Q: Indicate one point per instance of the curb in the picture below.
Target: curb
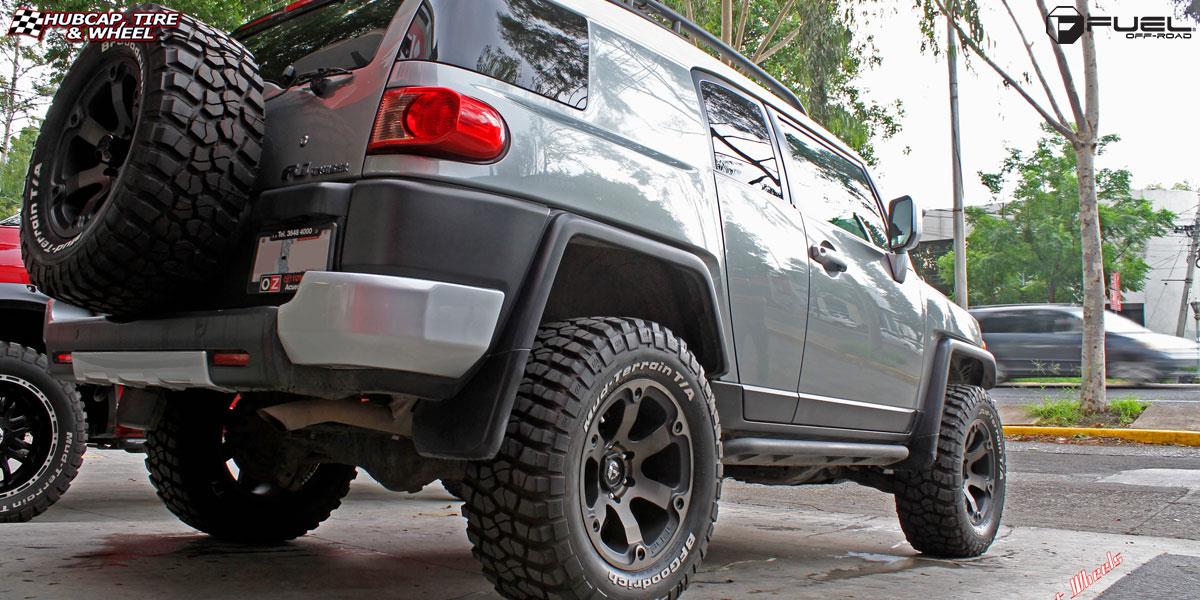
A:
(1145, 436)
(1112, 386)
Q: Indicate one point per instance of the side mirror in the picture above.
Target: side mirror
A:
(904, 225)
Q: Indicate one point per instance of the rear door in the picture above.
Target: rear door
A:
(1047, 342)
(764, 252)
(313, 137)
(864, 346)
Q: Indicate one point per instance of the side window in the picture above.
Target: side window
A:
(741, 143)
(1065, 322)
(533, 44)
(992, 323)
(828, 186)
(1037, 321)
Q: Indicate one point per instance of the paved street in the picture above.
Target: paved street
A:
(1067, 507)
(1153, 393)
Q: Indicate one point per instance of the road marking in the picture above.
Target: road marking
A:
(1168, 478)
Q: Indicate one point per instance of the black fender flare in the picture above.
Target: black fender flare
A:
(471, 425)
(22, 296)
(927, 428)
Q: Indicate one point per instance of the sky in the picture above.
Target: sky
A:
(1149, 93)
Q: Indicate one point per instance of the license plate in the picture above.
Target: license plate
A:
(283, 256)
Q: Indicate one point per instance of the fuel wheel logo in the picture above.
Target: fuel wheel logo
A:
(1064, 24)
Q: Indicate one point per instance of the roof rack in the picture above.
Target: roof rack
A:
(662, 15)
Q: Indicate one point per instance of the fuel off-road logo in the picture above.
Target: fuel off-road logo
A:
(92, 26)
(1066, 25)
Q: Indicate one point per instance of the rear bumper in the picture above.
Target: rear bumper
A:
(341, 331)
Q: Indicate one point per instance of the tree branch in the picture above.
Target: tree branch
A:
(1065, 69)
(779, 18)
(741, 25)
(1037, 68)
(727, 21)
(970, 42)
(787, 39)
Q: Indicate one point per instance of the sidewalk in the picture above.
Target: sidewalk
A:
(1160, 423)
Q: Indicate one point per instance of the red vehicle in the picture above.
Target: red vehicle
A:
(11, 269)
(44, 423)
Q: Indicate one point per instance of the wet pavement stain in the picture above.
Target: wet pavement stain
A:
(868, 564)
(120, 550)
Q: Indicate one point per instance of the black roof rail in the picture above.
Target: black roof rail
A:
(657, 12)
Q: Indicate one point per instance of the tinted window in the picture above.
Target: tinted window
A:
(342, 35)
(12, 221)
(828, 186)
(533, 44)
(994, 322)
(740, 140)
(1062, 322)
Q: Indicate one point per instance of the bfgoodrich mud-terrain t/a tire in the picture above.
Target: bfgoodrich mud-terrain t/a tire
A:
(218, 474)
(953, 508)
(607, 482)
(42, 434)
(141, 175)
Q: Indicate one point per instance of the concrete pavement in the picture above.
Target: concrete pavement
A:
(1068, 506)
(1189, 393)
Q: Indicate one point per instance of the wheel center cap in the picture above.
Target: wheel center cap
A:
(614, 472)
(105, 147)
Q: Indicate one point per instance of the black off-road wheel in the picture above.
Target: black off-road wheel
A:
(219, 468)
(141, 175)
(607, 482)
(953, 508)
(42, 434)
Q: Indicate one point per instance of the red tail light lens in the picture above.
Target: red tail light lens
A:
(230, 359)
(438, 122)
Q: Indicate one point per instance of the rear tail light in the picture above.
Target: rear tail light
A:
(64, 358)
(438, 122)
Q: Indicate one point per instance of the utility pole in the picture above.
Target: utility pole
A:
(1193, 232)
(960, 221)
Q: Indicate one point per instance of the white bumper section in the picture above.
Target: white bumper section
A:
(336, 320)
(376, 321)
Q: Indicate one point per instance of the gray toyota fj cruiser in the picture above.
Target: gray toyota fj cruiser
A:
(558, 250)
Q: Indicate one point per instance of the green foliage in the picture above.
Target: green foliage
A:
(12, 172)
(931, 17)
(820, 61)
(1029, 251)
(1057, 413)
(1070, 413)
(1127, 409)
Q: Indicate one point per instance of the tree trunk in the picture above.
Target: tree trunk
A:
(10, 107)
(727, 21)
(1092, 366)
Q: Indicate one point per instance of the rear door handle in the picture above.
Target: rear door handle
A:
(828, 257)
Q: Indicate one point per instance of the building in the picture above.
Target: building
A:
(1156, 306)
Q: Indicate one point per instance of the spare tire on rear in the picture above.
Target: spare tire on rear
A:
(142, 174)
